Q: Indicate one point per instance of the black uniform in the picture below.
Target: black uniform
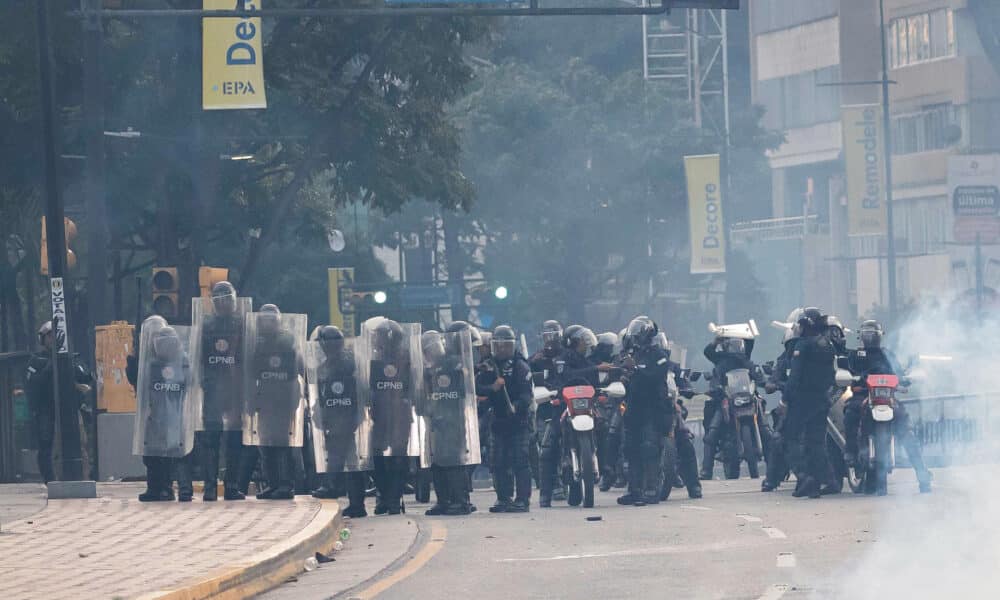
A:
(723, 362)
(222, 394)
(276, 401)
(338, 397)
(42, 405)
(681, 438)
(878, 361)
(809, 383)
(647, 422)
(570, 366)
(777, 459)
(511, 433)
(543, 366)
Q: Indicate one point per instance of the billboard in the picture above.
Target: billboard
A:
(707, 228)
(864, 153)
(232, 59)
(974, 192)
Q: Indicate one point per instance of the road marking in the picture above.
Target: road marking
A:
(750, 518)
(774, 533)
(774, 592)
(786, 560)
(713, 547)
(692, 507)
(438, 536)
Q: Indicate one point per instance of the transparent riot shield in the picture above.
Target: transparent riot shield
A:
(274, 411)
(341, 423)
(449, 414)
(165, 400)
(219, 376)
(391, 382)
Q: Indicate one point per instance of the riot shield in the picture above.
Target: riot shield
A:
(219, 376)
(274, 410)
(165, 402)
(341, 423)
(449, 413)
(391, 382)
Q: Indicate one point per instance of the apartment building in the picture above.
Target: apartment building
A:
(810, 58)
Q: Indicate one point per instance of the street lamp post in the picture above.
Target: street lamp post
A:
(887, 126)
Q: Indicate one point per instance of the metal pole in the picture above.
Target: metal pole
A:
(68, 410)
(887, 135)
(979, 278)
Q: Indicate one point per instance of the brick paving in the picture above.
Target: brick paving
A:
(116, 547)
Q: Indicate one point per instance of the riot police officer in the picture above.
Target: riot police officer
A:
(341, 423)
(221, 380)
(679, 457)
(275, 408)
(646, 419)
(873, 359)
(777, 460)
(725, 354)
(508, 387)
(543, 368)
(608, 446)
(809, 382)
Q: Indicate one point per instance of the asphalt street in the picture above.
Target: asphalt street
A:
(736, 542)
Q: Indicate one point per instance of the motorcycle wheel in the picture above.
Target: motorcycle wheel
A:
(668, 463)
(588, 474)
(749, 450)
(883, 457)
(731, 457)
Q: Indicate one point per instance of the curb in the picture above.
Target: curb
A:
(268, 569)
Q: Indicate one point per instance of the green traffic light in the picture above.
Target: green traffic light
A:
(380, 297)
(501, 293)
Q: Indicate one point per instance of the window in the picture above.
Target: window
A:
(921, 37)
(933, 128)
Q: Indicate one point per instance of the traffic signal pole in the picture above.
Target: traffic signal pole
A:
(66, 408)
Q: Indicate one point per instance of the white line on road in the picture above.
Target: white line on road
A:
(786, 560)
(692, 507)
(774, 533)
(713, 547)
(774, 592)
(750, 518)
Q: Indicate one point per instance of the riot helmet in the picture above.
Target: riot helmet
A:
(433, 346)
(331, 340)
(811, 322)
(607, 345)
(552, 333)
(870, 334)
(660, 341)
(387, 339)
(269, 319)
(504, 343)
(459, 326)
(151, 323)
(835, 331)
(166, 344)
(224, 298)
(735, 346)
(795, 331)
(641, 332)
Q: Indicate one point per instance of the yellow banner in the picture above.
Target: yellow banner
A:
(232, 59)
(864, 151)
(340, 282)
(708, 238)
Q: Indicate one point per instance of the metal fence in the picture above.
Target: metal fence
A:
(957, 428)
(16, 442)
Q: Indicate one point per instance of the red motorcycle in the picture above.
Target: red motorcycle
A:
(876, 442)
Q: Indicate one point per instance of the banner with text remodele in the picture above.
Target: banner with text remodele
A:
(232, 59)
(708, 239)
(864, 163)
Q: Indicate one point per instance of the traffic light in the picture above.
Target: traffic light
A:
(165, 291)
(501, 292)
(70, 228)
(208, 277)
(367, 298)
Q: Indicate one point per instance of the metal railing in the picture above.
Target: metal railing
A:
(956, 428)
(784, 228)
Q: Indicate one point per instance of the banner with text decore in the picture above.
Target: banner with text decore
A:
(708, 239)
(232, 59)
(864, 163)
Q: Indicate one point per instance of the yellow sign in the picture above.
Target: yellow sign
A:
(232, 59)
(340, 282)
(864, 149)
(708, 238)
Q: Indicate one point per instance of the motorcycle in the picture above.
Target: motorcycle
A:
(579, 412)
(741, 407)
(876, 441)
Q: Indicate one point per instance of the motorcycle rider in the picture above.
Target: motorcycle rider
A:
(726, 354)
(777, 460)
(509, 391)
(809, 383)
(873, 359)
(543, 367)
(678, 433)
(647, 421)
(571, 365)
(604, 352)
(836, 468)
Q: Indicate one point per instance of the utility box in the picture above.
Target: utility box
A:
(113, 346)
(114, 447)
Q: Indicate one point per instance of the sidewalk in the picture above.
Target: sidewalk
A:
(116, 547)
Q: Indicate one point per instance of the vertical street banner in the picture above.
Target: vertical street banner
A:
(708, 239)
(232, 59)
(341, 282)
(864, 163)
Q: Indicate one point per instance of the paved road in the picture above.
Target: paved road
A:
(734, 543)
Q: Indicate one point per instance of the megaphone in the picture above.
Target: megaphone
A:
(743, 331)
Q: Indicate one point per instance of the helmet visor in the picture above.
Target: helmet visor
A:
(503, 349)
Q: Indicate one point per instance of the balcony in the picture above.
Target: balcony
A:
(767, 230)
